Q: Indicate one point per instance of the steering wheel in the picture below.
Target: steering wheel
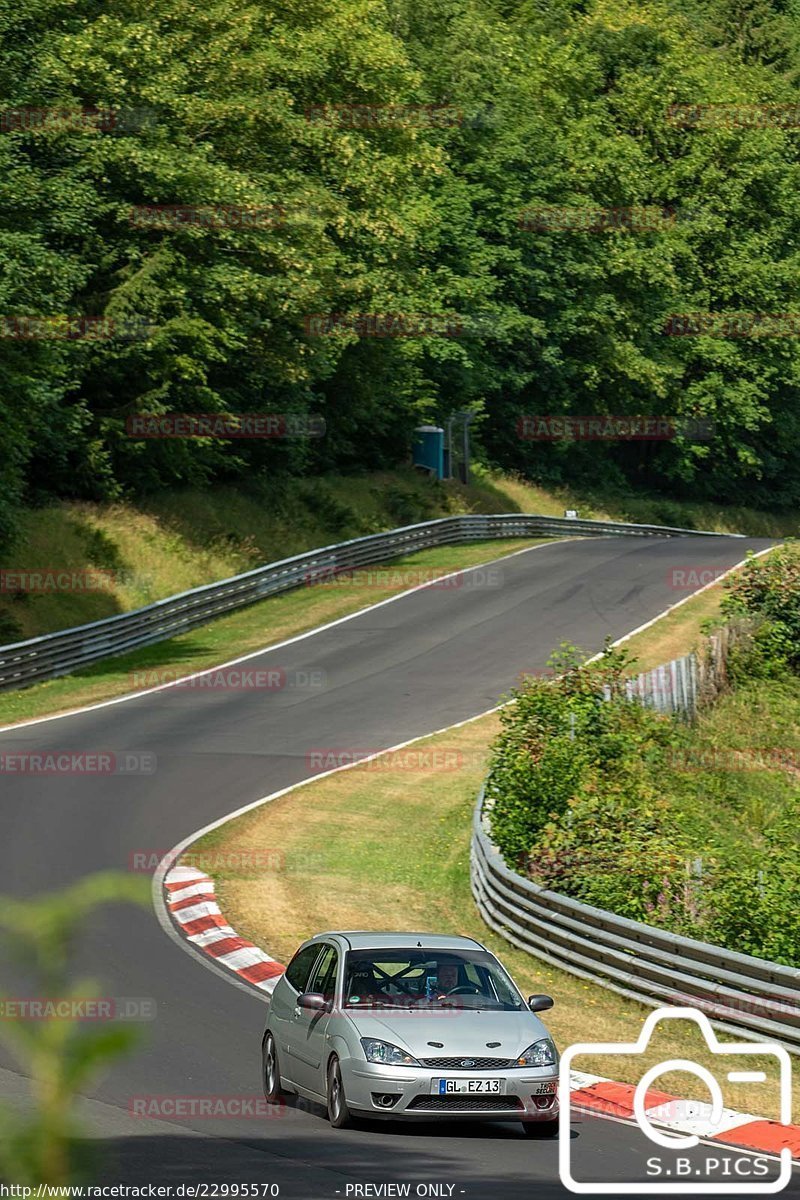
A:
(465, 989)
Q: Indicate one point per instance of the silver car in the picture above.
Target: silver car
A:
(410, 1026)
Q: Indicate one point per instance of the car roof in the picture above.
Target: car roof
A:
(363, 939)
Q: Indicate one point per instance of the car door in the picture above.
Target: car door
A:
(309, 1027)
(284, 1003)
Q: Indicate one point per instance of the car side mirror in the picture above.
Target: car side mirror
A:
(540, 1003)
(313, 1000)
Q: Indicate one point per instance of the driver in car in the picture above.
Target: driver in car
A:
(446, 980)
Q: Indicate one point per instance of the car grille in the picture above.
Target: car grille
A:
(467, 1103)
(478, 1064)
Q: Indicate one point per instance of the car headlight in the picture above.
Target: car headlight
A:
(387, 1054)
(540, 1054)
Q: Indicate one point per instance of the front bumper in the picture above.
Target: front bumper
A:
(368, 1087)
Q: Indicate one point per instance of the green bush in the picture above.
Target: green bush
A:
(769, 588)
(768, 652)
(755, 907)
(563, 739)
(10, 631)
(692, 828)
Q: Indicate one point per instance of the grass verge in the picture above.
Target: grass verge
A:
(387, 843)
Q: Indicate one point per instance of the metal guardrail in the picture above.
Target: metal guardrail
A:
(670, 688)
(61, 653)
(681, 684)
(737, 992)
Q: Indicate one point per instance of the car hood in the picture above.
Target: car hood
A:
(463, 1031)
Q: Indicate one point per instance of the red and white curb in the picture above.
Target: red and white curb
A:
(192, 903)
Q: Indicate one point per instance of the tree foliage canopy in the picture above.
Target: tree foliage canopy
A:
(238, 106)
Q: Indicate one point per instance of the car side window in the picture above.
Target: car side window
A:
(298, 969)
(324, 977)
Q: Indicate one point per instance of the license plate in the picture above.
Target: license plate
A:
(548, 1088)
(472, 1087)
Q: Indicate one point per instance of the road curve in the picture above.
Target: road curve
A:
(428, 659)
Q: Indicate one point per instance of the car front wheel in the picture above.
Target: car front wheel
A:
(338, 1112)
(272, 1074)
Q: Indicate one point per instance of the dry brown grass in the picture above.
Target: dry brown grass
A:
(389, 849)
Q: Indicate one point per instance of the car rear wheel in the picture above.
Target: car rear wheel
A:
(540, 1129)
(272, 1073)
(338, 1112)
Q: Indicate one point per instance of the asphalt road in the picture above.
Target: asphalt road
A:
(422, 662)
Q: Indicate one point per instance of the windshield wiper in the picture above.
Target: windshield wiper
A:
(376, 1004)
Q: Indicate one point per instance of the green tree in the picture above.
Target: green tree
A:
(58, 1055)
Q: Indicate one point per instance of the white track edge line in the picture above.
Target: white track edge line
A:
(87, 708)
(171, 858)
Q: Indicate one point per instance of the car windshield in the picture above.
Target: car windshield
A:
(427, 979)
